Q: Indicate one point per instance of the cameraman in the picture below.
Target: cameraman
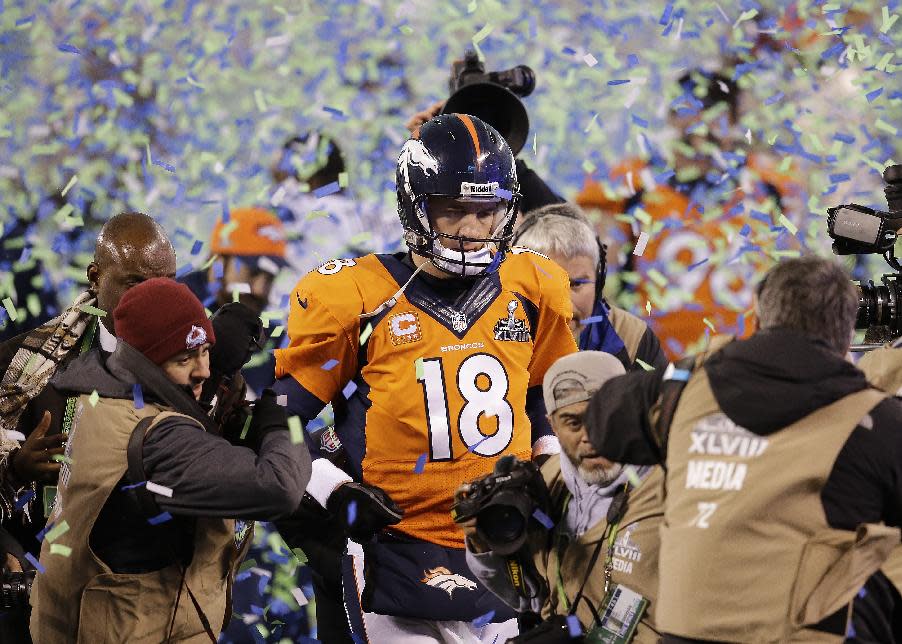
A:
(606, 518)
(783, 474)
(141, 542)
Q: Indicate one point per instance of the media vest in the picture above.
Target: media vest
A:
(635, 555)
(78, 598)
(746, 551)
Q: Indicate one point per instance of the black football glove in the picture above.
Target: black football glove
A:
(239, 334)
(363, 510)
(267, 416)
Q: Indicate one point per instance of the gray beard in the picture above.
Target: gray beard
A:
(600, 476)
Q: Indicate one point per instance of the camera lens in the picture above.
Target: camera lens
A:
(877, 305)
(501, 523)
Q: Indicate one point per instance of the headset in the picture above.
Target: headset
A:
(601, 268)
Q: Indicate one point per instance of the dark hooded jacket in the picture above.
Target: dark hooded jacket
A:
(209, 476)
(764, 384)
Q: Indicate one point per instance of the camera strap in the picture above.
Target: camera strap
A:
(616, 511)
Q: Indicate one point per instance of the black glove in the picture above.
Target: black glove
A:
(267, 416)
(363, 510)
(239, 333)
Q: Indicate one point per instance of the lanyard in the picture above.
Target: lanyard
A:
(615, 514)
(86, 341)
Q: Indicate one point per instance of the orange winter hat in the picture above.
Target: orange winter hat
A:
(249, 232)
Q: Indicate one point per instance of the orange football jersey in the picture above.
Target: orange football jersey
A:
(435, 387)
(702, 259)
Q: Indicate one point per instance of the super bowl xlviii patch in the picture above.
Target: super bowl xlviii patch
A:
(444, 579)
(511, 328)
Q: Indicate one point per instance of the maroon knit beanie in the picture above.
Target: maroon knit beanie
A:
(161, 318)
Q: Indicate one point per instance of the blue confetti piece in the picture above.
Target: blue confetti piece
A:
(844, 138)
(482, 620)
(160, 518)
(595, 319)
(68, 49)
(862, 593)
(620, 81)
(665, 17)
(336, 113)
(632, 60)
(641, 122)
(165, 166)
(773, 99)
(23, 500)
(218, 270)
(543, 518)
(421, 464)
(697, 264)
(850, 633)
(138, 396)
(681, 375)
(349, 389)
(839, 178)
(834, 50)
(40, 535)
(132, 486)
(568, 50)
(872, 95)
(740, 326)
(26, 19)
(328, 189)
(35, 562)
(196, 248)
(352, 512)
(184, 270)
(504, 194)
(328, 365)
(574, 626)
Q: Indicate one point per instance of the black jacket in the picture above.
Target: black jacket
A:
(209, 476)
(764, 384)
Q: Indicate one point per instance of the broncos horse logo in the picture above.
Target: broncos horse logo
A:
(414, 153)
(444, 579)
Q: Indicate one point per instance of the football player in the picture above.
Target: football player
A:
(433, 361)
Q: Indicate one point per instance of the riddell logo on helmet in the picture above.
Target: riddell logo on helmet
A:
(196, 337)
(478, 189)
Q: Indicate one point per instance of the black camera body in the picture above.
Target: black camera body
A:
(503, 504)
(857, 229)
(494, 97)
(15, 589)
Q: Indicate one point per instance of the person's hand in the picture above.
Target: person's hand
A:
(474, 543)
(230, 401)
(12, 564)
(363, 510)
(419, 118)
(33, 461)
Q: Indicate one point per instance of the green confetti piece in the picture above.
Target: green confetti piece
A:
(784, 165)
(92, 310)
(886, 127)
(588, 167)
(366, 333)
(881, 65)
(343, 179)
(316, 214)
(657, 277)
(888, 21)
(418, 367)
(60, 549)
(247, 565)
(260, 100)
(791, 227)
(632, 475)
(58, 530)
(278, 331)
(63, 213)
(647, 307)
(10, 308)
(149, 158)
(644, 365)
(406, 30)
(247, 426)
(709, 324)
(69, 185)
(300, 555)
(33, 304)
(93, 398)
(61, 458)
(295, 430)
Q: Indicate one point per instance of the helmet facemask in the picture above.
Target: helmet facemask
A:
(447, 251)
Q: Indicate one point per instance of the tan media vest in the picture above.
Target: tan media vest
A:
(78, 598)
(630, 329)
(635, 553)
(746, 551)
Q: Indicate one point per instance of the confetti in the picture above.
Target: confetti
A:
(93, 310)
(573, 626)
(163, 517)
(138, 396)
(60, 549)
(328, 365)
(420, 464)
(482, 620)
(641, 243)
(543, 518)
(34, 562)
(295, 430)
(366, 333)
(282, 400)
(632, 475)
(57, 531)
(10, 309)
(162, 490)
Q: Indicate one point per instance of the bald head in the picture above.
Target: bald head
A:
(131, 248)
